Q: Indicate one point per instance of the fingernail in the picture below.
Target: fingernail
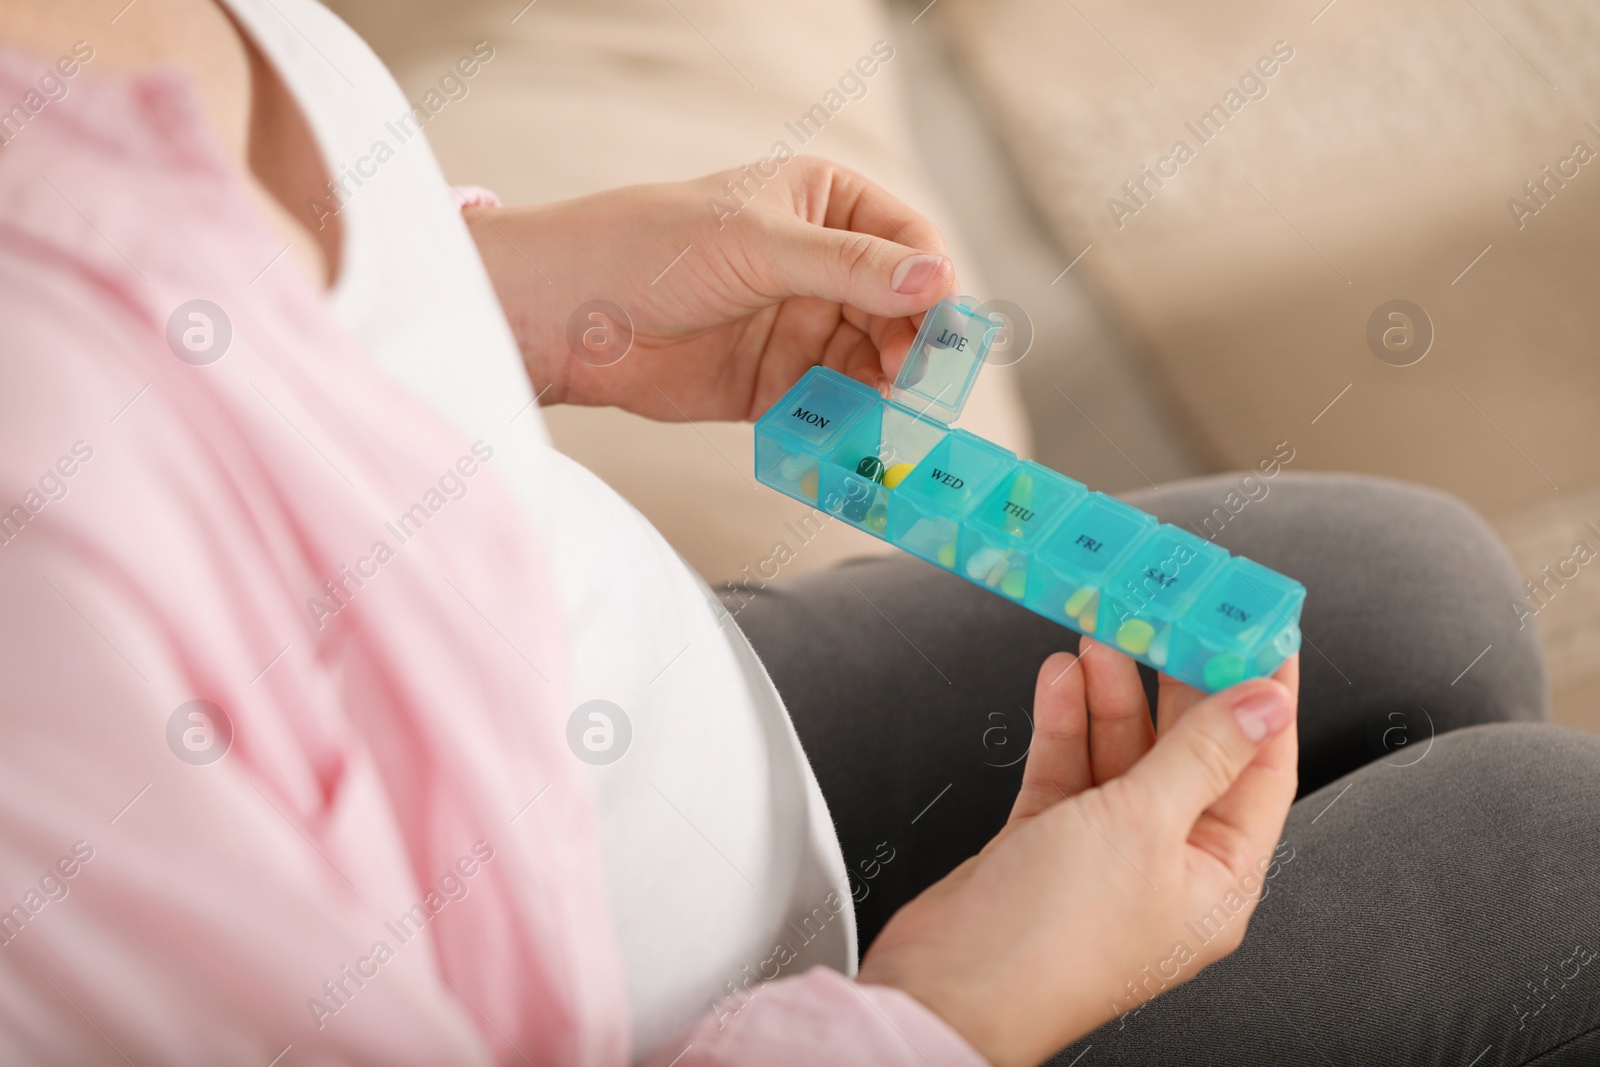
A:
(915, 272)
(1263, 711)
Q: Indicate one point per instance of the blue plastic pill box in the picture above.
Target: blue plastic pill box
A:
(898, 470)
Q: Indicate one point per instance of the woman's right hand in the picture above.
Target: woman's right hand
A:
(1133, 857)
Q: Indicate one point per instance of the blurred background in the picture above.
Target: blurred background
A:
(1363, 229)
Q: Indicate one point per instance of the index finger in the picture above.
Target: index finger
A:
(860, 205)
(1173, 698)
(1058, 759)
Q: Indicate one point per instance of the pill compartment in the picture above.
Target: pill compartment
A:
(1001, 535)
(896, 469)
(927, 509)
(802, 429)
(877, 452)
(945, 358)
(1242, 624)
(1151, 588)
(1078, 557)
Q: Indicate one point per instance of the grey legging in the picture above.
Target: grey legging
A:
(1435, 899)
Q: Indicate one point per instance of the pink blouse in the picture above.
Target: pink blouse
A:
(284, 763)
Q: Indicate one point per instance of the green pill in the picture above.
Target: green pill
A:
(1014, 584)
(1224, 670)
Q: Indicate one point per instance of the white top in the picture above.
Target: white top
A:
(716, 834)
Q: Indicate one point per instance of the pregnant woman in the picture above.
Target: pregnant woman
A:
(297, 603)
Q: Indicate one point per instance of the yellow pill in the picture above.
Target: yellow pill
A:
(1014, 584)
(896, 474)
(808, 484)
(1022, 491)
(947, 555)
(1077, 601)
(1017, 503)
(877, 518)
(1135, 636)
(1090, 617)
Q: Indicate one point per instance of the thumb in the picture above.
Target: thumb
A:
(1200, 758)
(879, 276)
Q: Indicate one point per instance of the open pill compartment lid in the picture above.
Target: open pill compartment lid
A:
(943, 363)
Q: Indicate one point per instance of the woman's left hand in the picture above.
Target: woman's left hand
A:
(1133, 858)
(727, 306)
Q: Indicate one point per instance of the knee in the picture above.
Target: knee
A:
(1409, 615)
(1527, 793)
(1521, 771)
(1418, 548)
(1423, 595)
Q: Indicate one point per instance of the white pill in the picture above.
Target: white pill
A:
(983, 562)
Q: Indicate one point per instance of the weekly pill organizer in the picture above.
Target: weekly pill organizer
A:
(898, 470)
